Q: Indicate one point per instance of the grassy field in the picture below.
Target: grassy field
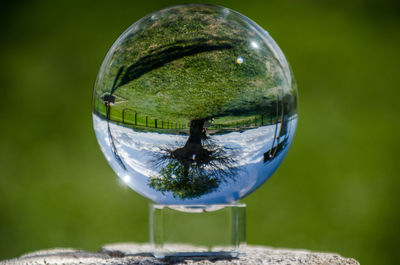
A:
(141, 121)
(336, 191)
(183, 65)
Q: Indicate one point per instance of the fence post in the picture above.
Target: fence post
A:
(255, 121)
(262, 120)
(98, 103)
(135, 118)
(155, 123)
(146, 121)
(162, 124)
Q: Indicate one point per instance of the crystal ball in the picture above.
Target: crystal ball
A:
(194, 104)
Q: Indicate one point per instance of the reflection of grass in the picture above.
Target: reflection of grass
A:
(224, 122)
(219, 123)
(244, 121)
(129, 118)
(200, 85)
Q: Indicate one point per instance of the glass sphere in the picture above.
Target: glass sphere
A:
(195, 104)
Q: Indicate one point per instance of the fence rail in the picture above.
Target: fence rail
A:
(131, 117)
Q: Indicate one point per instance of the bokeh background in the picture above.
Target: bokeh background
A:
(337, 190)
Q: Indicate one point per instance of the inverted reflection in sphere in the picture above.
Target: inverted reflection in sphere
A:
(195, 104)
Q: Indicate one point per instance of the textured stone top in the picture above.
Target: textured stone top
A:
(132, 253)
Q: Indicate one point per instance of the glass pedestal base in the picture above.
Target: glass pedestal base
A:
(198, 230)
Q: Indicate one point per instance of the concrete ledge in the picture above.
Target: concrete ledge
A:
(132, 253)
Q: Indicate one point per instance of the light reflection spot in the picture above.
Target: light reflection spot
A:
(254, 45)
(126, 179)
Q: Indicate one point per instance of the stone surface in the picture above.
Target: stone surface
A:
(132, 253)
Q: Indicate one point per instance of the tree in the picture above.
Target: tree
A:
(197, 168)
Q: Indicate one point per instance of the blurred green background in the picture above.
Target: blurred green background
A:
(337, 190)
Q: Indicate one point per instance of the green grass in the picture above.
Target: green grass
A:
(220, 122)
(129, 118)
(336, 191)
(203, 85)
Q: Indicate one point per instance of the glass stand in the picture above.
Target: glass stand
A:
(198, 230)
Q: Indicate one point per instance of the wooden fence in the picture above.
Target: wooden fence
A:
(131, 117)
